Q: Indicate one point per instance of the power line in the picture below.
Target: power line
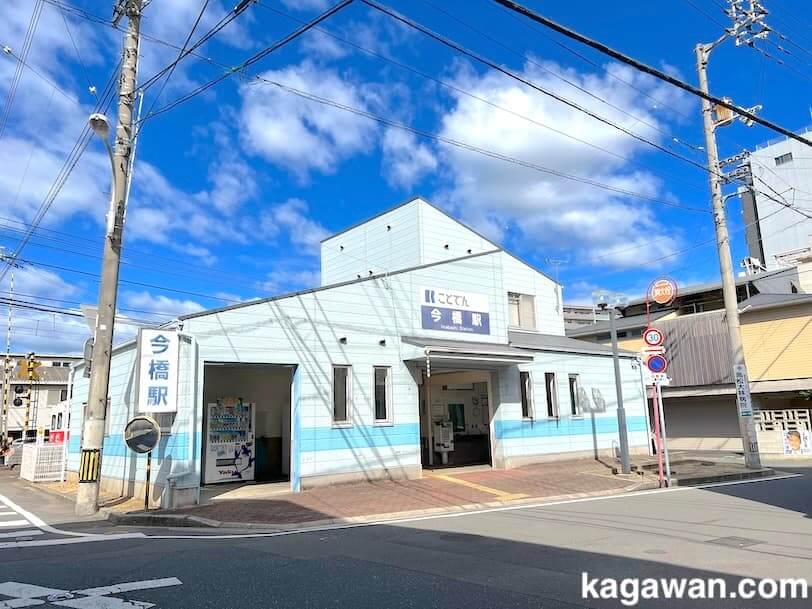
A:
(481, 99)
(472, 148)
(91, 89)
(642, 67)
(18, 72)
(253, 59)
(181, 54)
(494, 66)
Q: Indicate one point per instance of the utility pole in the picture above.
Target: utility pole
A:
(93, 425)
(7, 368)
(609, 302)
(747, 26)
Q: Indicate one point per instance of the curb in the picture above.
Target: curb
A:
(189, 520)
(745, 475)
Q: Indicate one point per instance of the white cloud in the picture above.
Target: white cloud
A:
(292, 217)
(318, 44)
(546, 210)
(233, 183)
(159, 307)
(289, 280)
(299, 134)
(306, 5)
(405, 160)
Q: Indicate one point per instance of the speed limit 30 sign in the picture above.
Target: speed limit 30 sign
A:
(653, 337)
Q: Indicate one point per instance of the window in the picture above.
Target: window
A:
(783, 159)
(63, 395)
(552, 394)
(383, 392)
(575, 406)
(526, 382)
(342, 393)
(522, 310)
(59, 421)
(53, 421)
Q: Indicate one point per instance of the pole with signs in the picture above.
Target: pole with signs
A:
(141, 435)
(664, 435)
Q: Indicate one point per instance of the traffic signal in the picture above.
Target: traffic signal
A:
(21, 395)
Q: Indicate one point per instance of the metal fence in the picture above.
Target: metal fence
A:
(43, 462)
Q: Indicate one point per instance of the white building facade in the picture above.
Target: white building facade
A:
(426, 346)
(782, 175)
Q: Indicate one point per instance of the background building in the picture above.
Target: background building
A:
(47, 393)
(781, 169)
(700, 401)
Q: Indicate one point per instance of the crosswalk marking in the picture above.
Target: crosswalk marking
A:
(22, 533)
(13, 523)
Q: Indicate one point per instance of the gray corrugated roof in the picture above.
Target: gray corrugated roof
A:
(463, 345)
(555, 342)
(765, 301)
(621, 323)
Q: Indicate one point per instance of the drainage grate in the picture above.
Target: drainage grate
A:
(735, 542)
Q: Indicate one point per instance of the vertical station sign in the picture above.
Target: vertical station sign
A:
(157, 370)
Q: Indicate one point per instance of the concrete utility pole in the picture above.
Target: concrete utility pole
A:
(747, 24)
(601, 299)
(625, 464)
(94, 422)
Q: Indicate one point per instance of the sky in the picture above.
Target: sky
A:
(233, 189)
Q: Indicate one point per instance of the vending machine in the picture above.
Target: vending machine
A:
(229, 442)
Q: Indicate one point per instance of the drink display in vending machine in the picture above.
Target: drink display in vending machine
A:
(229, 441)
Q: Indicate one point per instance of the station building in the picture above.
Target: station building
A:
(426, 346)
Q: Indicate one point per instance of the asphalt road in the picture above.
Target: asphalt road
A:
(528, 557)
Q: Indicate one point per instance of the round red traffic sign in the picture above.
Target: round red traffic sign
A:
(653, 337)
(657, 364)
(663, 291)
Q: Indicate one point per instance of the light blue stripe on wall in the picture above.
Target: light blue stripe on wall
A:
(175, 445)
(548, 428)
(313, 439)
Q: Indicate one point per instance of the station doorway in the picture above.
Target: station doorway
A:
(246, 422)
(455, 418)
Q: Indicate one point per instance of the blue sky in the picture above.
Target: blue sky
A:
(234, 189)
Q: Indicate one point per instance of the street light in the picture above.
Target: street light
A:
(101, 128)
(606, 301)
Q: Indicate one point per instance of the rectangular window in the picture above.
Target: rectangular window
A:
(63, 395)
(552, 394)
(526, 382)
(522, 310)
(342, 393)
(383, 391)
(782, 159)
(575, 406)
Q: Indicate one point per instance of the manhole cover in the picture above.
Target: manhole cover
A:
(735, 542)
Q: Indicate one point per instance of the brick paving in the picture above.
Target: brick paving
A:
(389, 497)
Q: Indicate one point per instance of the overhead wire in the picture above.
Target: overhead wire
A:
(91, 89)
(457, 89)
(18, 72)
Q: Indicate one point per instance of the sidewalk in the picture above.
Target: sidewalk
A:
(439, 491)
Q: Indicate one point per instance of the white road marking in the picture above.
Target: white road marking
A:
(29, 595)
(13, 523)
(90, 537)
(25, 533)
(9, 513)
(146, 584)
(37, 521)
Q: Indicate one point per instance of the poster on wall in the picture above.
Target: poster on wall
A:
(157, 371)
(797, 442)
(453, 311)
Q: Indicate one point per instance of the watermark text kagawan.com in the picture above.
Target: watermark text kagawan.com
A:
(631, 590)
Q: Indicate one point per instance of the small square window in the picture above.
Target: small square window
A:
(783, 159)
